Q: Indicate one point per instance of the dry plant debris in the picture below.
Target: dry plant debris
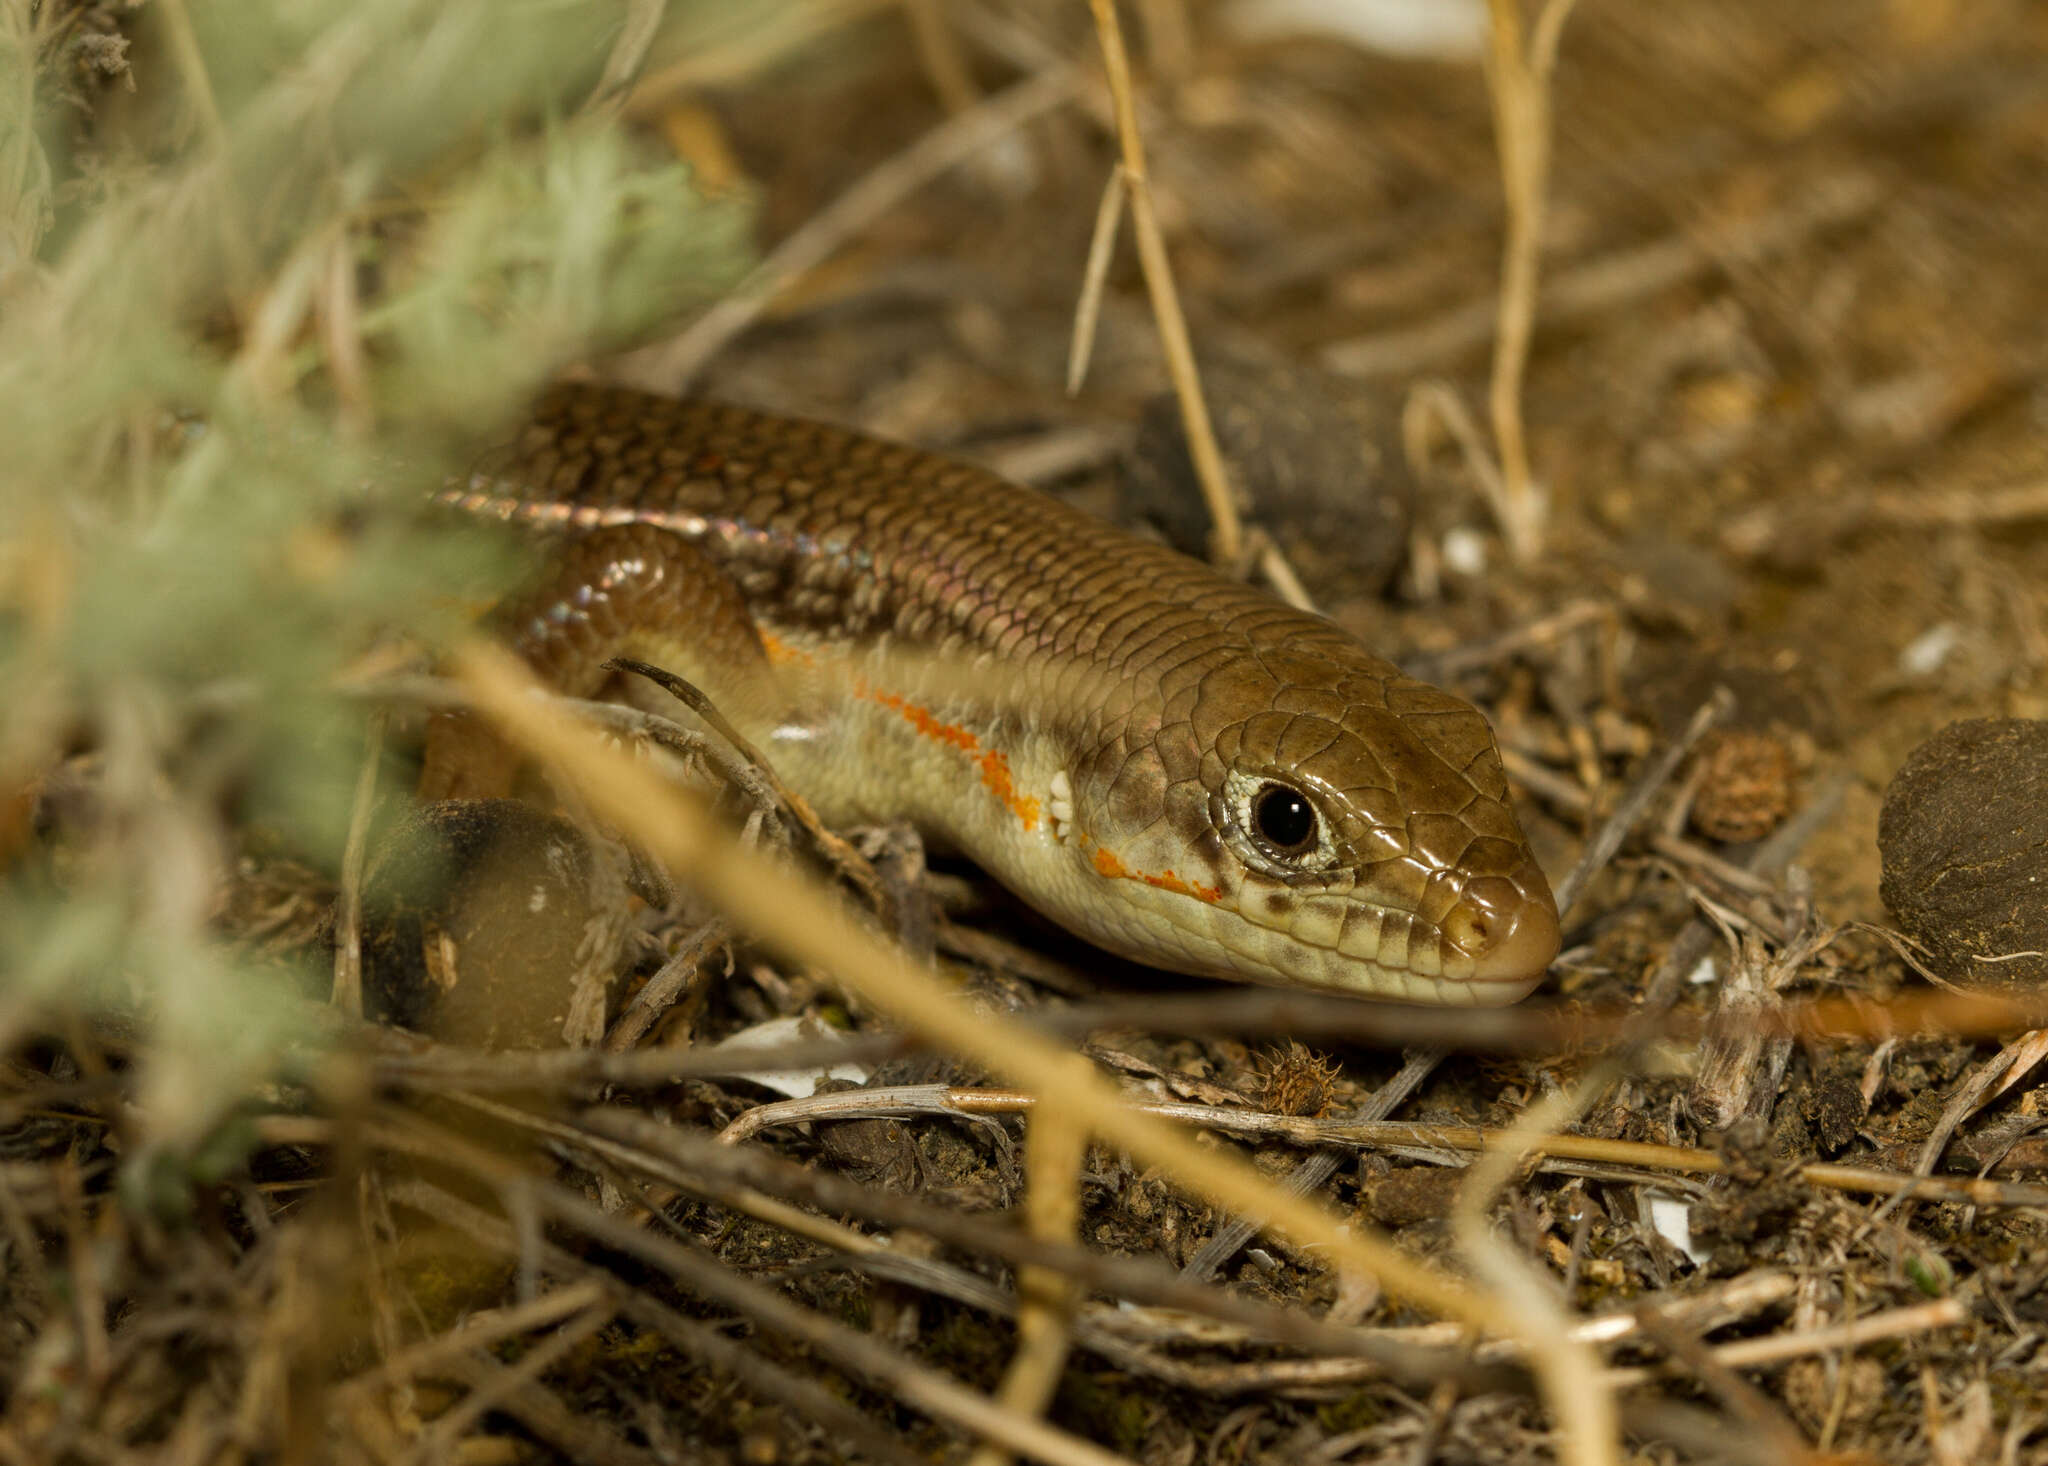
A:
(1740, 1186)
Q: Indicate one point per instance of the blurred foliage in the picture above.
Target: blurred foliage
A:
(266, 272)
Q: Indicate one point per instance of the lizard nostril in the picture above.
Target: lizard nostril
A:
(1511, 934)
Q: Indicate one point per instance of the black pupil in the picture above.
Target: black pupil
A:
(1285, 819)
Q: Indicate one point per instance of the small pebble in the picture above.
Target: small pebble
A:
(1964, 839)
(1465, 551)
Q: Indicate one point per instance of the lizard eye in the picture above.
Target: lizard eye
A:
(1278, 826)
(1284, 819)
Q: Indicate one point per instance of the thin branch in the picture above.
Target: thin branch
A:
(1226, 537)
(500, 1383)
(1308, 1177)
(1533, 1028)
(1894, 1323)
(1095, 278)
(1055, 1148)
(1519, 82)
(1617, 826)
(850, 862)
(1426, 1141)
(636, 35)
(1569, 1368)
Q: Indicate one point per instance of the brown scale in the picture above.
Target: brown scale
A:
(628, 590)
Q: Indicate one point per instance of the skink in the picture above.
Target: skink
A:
(1171, 764)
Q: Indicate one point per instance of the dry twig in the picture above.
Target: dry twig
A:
(1226, 535)
(1055, 1146)
(1429, 1142)
(1518, 78)
(348, 910)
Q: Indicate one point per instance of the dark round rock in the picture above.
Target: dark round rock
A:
(1964, 839)
(1314, 458)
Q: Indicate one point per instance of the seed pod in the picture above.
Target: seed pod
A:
(1747, 786)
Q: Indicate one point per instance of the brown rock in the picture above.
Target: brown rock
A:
(492, 924)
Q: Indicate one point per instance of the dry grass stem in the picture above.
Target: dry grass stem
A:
(1308, 1177)
(839, 852)
(661, 992)
(194, 73)
(938, 51)
(1094, 278)
(1532, 1029)
(1372, 1133)
(808, 1400)
(339, 310)
(1226, 542)
(1570, 1369)
(480, 1330)
(696, 1164)
(1431, 405)
(919, 1387)
(502, 1385)
(1920, 1318)
(1518, 79)
(1542, 632)
(628, 54)
(740, 42)
(1686, 853)
(1758, 531)
(1629, 810)
(348, 906)
(1976, 1086)
(1055, 1148)
(1780, 1437)
(606, 1155)
(1280, 575)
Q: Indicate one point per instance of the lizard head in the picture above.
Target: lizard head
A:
(1313, 818)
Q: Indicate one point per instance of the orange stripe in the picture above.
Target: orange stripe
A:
(782, 654)
(1108, 865)
(993, 762)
